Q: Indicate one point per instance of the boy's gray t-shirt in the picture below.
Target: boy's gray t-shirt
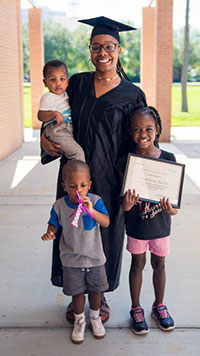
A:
(79, 246)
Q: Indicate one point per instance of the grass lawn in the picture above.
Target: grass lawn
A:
(27, 106)
(192, 118)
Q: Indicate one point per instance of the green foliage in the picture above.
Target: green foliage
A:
(71, 47)
(80, 55)
(194, 55)
(130, 56)
(178, 46)
(25, 39)
(56, 41)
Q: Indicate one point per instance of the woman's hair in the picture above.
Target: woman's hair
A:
(54, 63)
(121, 72)
(150, 110)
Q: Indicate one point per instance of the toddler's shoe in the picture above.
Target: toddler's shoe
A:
(97, 327)
(78, 331)
(138, 322)
(162, 317)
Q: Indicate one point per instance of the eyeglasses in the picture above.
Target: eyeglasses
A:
(108, 47)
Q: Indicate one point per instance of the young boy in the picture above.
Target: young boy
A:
(81, 250)
(55, 112)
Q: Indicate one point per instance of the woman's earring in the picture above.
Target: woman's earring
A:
(88, 64)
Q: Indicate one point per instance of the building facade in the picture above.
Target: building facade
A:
(11, 74)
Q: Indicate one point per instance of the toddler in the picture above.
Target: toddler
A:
(54, 110)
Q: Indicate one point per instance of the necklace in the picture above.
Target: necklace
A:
(107, 79)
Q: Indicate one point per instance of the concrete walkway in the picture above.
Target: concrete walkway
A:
(32, 311)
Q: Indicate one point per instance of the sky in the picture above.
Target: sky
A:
(130, 10)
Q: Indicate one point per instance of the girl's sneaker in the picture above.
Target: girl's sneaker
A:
(138, 322)
(78, 331)
(97, 327)
(162, 316)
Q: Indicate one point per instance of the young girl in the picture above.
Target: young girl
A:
(146, 229)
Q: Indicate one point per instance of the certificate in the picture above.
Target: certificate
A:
(154, 179)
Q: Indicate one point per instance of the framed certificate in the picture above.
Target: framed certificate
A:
(154, 178)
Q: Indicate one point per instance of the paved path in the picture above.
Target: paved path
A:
(32, 311)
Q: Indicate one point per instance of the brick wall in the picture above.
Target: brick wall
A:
(36, 61)
(148, 54)
(157, 60)
(164, 63)
(11, 85)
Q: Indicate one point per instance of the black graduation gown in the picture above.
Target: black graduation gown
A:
(100, 126)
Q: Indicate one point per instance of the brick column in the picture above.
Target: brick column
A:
(147, 71)
(11, 74)
(164, 63)
(21, 66)
(36, 61)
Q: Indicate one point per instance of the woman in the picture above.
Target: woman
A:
(100, 103)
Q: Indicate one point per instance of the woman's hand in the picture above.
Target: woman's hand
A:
(53, 149)
(166, 206)
(129, 200)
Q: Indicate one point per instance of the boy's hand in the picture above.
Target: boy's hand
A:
(166, 206)
(129, 200)
(100, 218)
(87, 202)
(59, 118)
(48, 236)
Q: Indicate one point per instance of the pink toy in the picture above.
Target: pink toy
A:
(79, 211)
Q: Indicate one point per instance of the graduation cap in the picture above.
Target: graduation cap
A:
(104, 25)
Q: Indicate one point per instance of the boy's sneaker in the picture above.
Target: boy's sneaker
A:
(138, 322)
(78, 331)
(97, 327)
(162, 316)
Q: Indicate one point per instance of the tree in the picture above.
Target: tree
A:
(72, 48)
(69, 47)
(178, 45)
(25, 39)
(193, 70)
(194, 54)
(130, 56)
(184, 75)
